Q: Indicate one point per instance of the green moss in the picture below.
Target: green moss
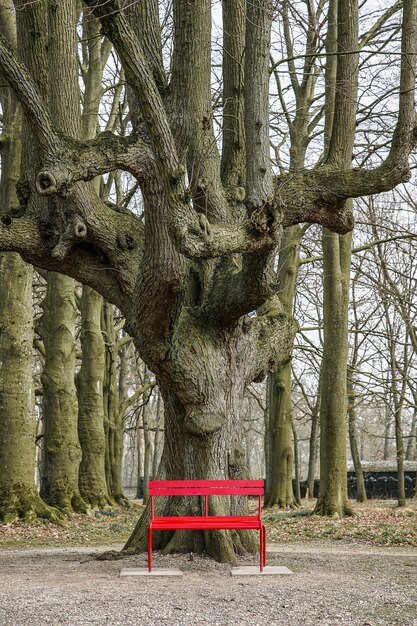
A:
(25, 503)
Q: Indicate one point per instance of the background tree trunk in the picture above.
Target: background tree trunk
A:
(18, 493)
(354, 448)
(113, 418)
(313, 448)
(93, 486)
(61, 448)
(333, 500)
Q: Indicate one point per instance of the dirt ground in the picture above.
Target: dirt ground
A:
(333, 583)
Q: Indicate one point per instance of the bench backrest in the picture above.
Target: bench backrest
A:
(206, 488)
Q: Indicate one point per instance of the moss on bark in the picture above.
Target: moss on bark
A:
(18, 495)
(61, 449)
(23, 502)
(92, 475)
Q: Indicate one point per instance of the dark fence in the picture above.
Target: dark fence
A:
(379, 485)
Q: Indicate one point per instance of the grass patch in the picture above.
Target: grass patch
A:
(101, 527)
(377, 523)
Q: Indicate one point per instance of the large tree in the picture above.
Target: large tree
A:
(196, 282)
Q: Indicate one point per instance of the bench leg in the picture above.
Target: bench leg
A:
(149, 549)
(262, 548)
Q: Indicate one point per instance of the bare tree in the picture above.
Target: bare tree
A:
(189, 281)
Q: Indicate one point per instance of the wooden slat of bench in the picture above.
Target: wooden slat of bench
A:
(214, 522)
(206, 483)
(205, 491)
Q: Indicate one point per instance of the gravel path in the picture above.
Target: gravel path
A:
(332, 585)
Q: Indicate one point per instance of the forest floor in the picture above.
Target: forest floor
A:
(360, 571)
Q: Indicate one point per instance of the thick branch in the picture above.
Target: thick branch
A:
(139, 77)
(318, 196)
(144, 19)
(200, 239)
(344, 121)
(404, 138)
(34, 107)
(259, 188)
(84, 160)
(192, 117)
(233, 139)
(273, 333)
(23, 235)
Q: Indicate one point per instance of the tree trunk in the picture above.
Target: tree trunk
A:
(313, 449)
(113, 417)
(157, 439)
(280, 490)
(147, 458)
(280, 455)
(93, 486)
(267, 433)
(117, 460)
(360, 481)
(333, 499)
(411, 450)
(18, 493)
(296, 466)
(400, 457)
(61, 448)
(387, 430)
(139, 456)
(188, 454)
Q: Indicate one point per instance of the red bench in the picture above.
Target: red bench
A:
(207, 488)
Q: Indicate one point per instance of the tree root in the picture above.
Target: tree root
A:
(282, 503)
(26, 504)
(98, 501)
(325, 508)
(69, 504)
(121, 500)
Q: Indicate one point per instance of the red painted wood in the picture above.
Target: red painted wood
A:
(207, 522)
(202, 491)
(206, 483)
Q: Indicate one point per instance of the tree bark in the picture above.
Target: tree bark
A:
(61, 448)
(113, 416)
(18, 493)
(280, 454)
(313, 448)
(93, 486)
(411, 450)
(354, 448)
(157, 440)
(333, 499)
(280, 490)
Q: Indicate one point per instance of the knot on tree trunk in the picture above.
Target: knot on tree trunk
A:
(46, 184)
(201, 422)
(75, 232)
(51, 181)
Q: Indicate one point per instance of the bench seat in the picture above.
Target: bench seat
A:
(209, 522)
(204, 489)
